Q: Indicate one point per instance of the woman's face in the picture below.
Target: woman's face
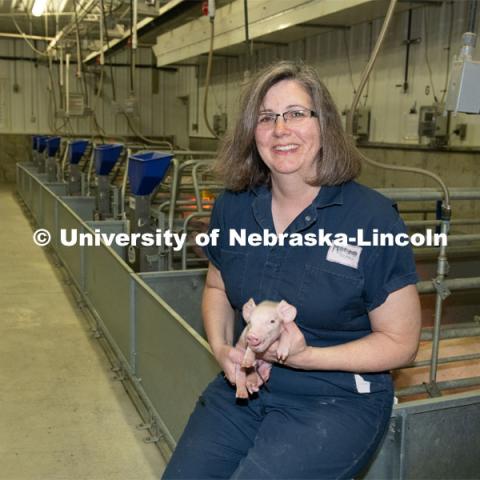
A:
(292, 147)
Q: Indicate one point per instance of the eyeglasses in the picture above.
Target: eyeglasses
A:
(294, 117)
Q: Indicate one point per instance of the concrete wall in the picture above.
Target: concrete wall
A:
(457, 169)
(13, 148)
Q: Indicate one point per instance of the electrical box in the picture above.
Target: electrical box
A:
(433, 124)
(220, 122)
(360, 124)
(131, 105)
(464, 88)
(76, 104)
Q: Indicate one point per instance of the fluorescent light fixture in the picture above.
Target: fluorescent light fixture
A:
(39, 7)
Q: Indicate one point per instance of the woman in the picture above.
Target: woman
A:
(289, 168)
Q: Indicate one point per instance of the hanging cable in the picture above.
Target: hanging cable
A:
(248, 45)
(472, 16)
(114, 93)
(449, 48)
(80, 73)
(21, 32)
(211, 14)
(131, 70)
(427, 60)
(349, 62)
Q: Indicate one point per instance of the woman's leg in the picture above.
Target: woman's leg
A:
(316, 438)
(217, 436)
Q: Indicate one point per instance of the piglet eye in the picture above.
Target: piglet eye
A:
(272, 321)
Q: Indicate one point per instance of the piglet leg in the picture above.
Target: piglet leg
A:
(249, 358)
(241, 382)
(285, 342)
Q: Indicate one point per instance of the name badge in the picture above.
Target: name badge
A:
(347, 255)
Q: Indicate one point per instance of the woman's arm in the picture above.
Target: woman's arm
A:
(393, 342)
(218, 320)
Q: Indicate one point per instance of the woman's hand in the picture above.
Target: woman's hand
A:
(229, 358)
(297, 346)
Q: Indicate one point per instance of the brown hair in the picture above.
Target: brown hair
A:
(239, 163)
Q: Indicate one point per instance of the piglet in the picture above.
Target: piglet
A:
(267, 322)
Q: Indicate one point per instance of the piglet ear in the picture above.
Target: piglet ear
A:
(286, 312)
(248, 309)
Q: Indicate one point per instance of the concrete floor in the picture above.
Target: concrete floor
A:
(62, 414)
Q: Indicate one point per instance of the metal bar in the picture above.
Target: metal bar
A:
(442, 293)
(469, 237)
(433, 223)
(452, 359)
(446, 385)
(185, 228)
(133, 326)
(411, 194)
(467, 283)
(452, 332)
(24, 36)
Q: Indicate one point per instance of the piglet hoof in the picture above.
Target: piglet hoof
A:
(241, 393)
(282, 354)
(247, 363)
(252, 382)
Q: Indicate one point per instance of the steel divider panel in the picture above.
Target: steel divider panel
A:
(107, 286)
(174, 363)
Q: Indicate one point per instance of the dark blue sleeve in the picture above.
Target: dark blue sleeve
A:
(389, 268)
(213, 252)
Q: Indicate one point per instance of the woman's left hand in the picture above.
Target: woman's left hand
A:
(297, 345)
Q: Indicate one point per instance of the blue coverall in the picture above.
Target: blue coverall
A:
(308, 424)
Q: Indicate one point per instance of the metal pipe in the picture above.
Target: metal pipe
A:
(433, 223)
(472, 16)
(452, 332)
(467, 238)
(453, 284)
(370, 64)
(123, 190)
(417, 193)
(247, 39)
(185, 229)
(24, 36)
(90, 168)
(102, 54)
(449, 384)
(442, 293)
(67, 84)
(452, 359)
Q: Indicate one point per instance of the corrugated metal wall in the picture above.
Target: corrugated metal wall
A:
(172, 103)
(332, 52)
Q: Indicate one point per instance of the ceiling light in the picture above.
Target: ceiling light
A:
(39, 7)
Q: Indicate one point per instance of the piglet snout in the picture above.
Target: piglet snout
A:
(253, 340)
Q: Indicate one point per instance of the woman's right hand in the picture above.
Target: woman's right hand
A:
(229, 358)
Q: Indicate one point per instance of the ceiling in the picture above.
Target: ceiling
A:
(63, 16)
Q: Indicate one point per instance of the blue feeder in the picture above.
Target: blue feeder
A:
(106, 157)
(34, 142)
(41, 143)
(146, 170)
(53, 144)
(76, 150)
